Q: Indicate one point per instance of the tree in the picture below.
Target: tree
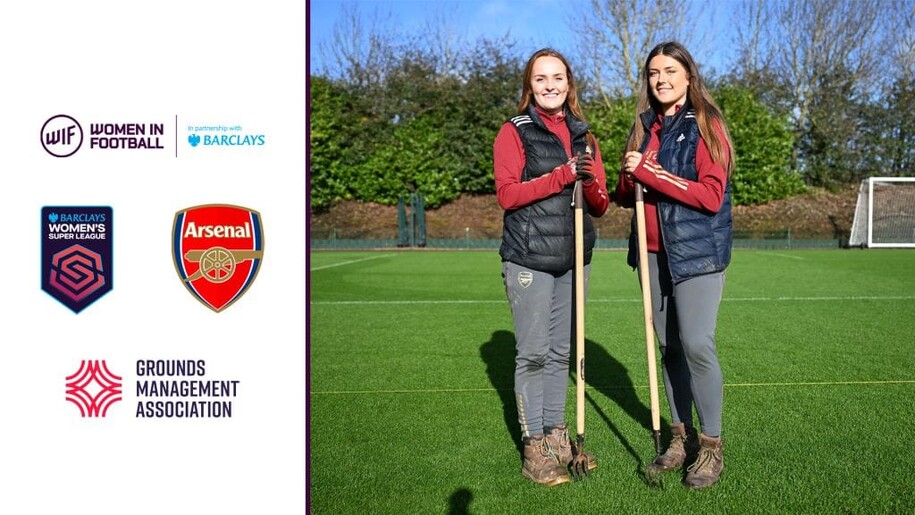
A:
(762, 147)
(332, 122)
(616, 35)
(611, 121)
(898, 120)
(756, 70)
(360, 53)
(424, 124)
(898, 137)
(808, 98)
(830, 56)
(486, 98)
(411, 162)
(753, 36)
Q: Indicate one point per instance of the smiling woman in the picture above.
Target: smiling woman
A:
(540, 157)
(679, 157)
(668, 81)
(549, 84)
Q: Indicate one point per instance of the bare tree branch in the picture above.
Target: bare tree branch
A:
(442, 39)
(821, 36)
(360, 54)
(902, 32)
(753, 34)
(618, 34)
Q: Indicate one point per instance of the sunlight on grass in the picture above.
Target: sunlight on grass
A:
(412, 409)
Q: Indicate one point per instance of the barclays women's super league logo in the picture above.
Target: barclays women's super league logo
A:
(76, 254)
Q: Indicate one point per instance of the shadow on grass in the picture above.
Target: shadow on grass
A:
(459, 502)
(610, 378)
(604, 374)
(499, 355)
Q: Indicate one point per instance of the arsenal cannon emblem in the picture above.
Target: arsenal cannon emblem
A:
(217, 252)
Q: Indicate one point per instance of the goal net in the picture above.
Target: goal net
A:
(885, 213)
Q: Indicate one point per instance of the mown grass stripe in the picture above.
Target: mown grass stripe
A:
(630, 387)
(818, 362)
(614, 300)
(825, 298)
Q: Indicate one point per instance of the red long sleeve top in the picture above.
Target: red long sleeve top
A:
(705, 194)
(509, 161)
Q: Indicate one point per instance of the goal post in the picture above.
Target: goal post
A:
(885, 213)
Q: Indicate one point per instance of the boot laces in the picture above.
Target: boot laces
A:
(564, 440)
(705, 461)
(546, 450)
(678, 443)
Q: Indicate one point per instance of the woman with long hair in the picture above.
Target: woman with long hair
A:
(538, 156)
(680, 152)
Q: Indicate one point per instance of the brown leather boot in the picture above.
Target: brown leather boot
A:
(707, 468)
(562, 446)
(684, 444)
(541, 464)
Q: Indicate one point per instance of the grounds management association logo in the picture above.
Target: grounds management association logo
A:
(93, 388)
(162, 389)
(217, 250)
(182, 388)
(76, 254)
(61, 135)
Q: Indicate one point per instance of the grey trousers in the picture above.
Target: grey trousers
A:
(685, 318)
(541, 305)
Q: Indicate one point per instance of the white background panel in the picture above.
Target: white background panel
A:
(207, 62)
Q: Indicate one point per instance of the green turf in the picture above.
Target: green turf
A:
(412, 409)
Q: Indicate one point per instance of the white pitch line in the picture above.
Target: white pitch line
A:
(333, 265)
(613, 300)
(598, 388)
(402, 302)
(823, 383)
(827, 298)
(783, 255)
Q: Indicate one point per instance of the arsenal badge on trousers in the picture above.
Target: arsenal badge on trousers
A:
(217, 252)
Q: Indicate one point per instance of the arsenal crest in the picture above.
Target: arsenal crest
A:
(76, 254)
(217, 252)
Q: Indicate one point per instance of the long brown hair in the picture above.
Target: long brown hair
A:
(708, 115)
(527, 95)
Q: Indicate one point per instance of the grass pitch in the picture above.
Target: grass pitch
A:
(412, 407)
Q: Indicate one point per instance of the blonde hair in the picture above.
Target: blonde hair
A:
(708, 115)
